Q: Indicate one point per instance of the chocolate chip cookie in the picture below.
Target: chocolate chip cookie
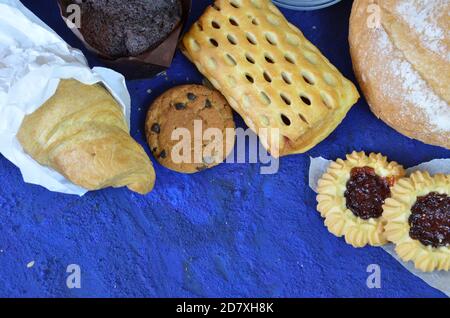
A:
(190, 128)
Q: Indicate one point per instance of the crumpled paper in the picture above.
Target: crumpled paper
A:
(33, 59)
(438, 280)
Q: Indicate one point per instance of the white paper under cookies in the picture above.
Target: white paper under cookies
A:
(438, 280)
(33, 59)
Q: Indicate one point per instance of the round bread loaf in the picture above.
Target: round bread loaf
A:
(401, 56)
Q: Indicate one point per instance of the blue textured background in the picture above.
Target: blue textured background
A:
(225, 232)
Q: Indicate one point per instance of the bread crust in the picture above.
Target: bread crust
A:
(402, 67)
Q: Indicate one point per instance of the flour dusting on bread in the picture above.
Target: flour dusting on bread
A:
(418, 91)
(422, 96)
(423, 18)
(403, 64)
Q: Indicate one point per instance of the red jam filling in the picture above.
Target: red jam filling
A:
(430, 220)
(366, 192)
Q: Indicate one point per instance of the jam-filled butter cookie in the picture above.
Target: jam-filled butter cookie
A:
(418, 220)
(190, 128)
(351, 195)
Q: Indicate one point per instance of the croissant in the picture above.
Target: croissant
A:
(81, 132)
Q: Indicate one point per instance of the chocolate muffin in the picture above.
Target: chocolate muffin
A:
(120, 28)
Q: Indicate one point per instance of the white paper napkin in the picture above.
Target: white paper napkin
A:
(33, 59)
(438, 280)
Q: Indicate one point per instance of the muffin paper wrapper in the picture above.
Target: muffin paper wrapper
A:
(33, 59)
(147, 64)
(438, 280)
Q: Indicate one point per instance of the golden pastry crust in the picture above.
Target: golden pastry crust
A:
(332, 203)
(270, 74)
(81, 132)
(396, 212)
(401, 57)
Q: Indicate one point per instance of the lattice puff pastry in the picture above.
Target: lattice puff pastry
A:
(397, 211)
(270, 74)
(339, 220)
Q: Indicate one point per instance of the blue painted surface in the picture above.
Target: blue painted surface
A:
(228, 231)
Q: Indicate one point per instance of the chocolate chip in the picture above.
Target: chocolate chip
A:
(154, 149)
(191, 96)
(208, 104)
(201, 168)
(156, 128)
(180, 106)
(163, 154)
